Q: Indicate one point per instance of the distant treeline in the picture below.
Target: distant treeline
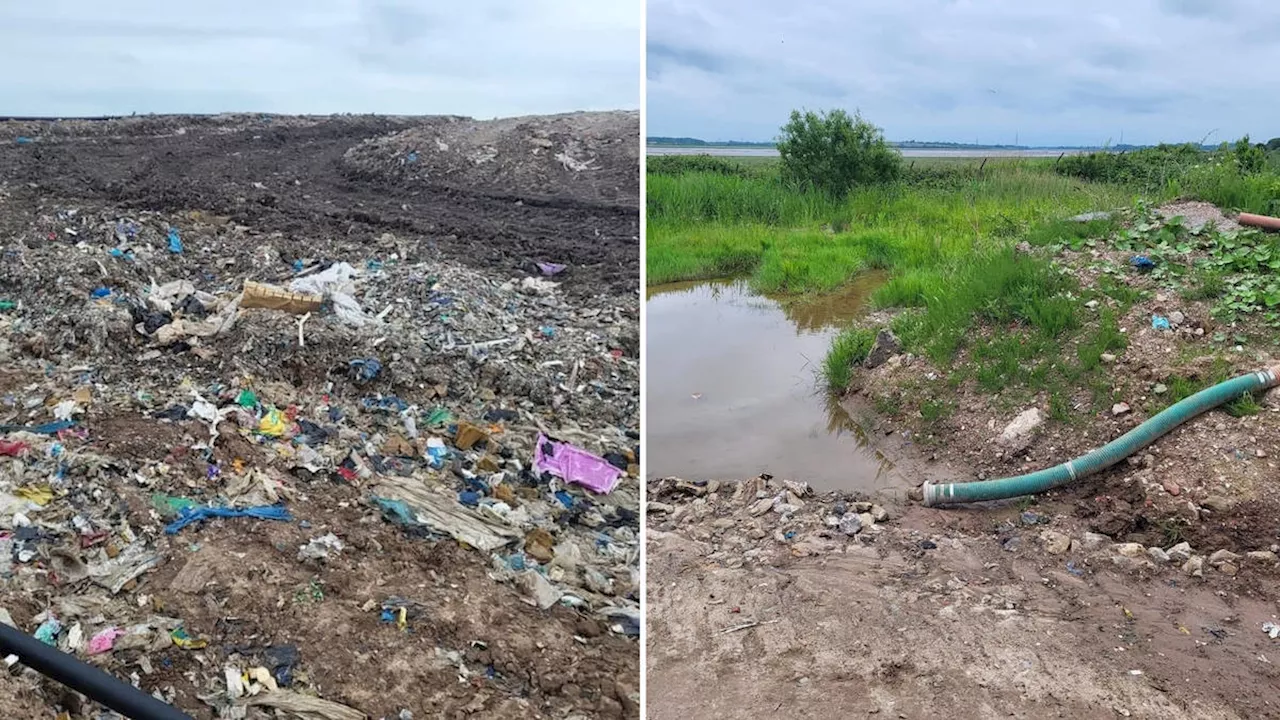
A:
(913, 144)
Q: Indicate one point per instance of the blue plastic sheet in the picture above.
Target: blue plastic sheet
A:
(52, 428)
(197, 514)
(175, 241)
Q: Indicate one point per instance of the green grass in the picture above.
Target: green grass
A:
(708, 224)
(850, 347)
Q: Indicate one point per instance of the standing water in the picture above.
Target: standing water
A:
(734, 387)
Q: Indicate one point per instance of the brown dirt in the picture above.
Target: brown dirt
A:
(211, 164)
(880, 626)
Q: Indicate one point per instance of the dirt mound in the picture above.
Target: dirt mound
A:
(288, 175)
(589, 157)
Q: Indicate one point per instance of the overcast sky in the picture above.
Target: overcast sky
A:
(482, 58)
(1045, 72)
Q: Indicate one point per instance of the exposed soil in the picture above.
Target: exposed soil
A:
(939, 613)
(472, 339)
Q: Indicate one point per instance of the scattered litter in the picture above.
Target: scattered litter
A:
(551, 269)
(1142, 262)
(1160, 322)
(175, 241)
(1271, 629)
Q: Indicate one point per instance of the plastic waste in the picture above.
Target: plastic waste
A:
(365, 369)
(13, 448)
(575, 465)
(336, 284)
(186, 641)
(1142, 262)
(7, 305)
(104, 640)
(48, 631)
(551, 269)
(24, 140)
(196, 514)
(273, 424)
(1160, 322)
(437, 453)
(175, 241)
(52, 428)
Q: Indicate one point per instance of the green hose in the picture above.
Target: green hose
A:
(1107, 455)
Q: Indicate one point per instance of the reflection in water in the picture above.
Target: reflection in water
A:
(731, 387)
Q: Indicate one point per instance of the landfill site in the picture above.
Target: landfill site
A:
(323, 417)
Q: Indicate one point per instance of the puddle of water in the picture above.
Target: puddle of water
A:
(732, 387)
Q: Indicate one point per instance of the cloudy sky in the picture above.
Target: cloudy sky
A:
(482, 58)
(1044, 72)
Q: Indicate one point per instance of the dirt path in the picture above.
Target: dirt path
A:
(963, 614)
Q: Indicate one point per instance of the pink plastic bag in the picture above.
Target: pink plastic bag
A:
(104, 641)
(575, 465)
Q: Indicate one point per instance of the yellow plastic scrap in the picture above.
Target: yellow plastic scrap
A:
(39, 494)
(402, 618)
(273, 424)
(186, 642)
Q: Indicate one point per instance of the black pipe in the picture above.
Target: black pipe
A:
(85, 678)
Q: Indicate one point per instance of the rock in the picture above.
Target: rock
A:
(1012, 544)
(1055, 543)
(761, 506)
(1194, 566)
(1171, 487)
(1017, 435)
(1261, 556)
(886, 346)
(1092, 304)
(1130, 550)
(1176, 318)
(1130, 563)
(657, 507)
(860, 507)
(1107, 358)
(799, 489)
(793, 499)
(866, 519)
(1091, 541)
(850, 524)
(832, 521)
(1120, 408)
(1180, 553)
(839, 508)
(879, 514)
(1090, 216)
(1160, 389)
(1227, 568)
(1216, 503)
(1260, 453)
(1029, 518)
(1222, 556)
(1157, 555)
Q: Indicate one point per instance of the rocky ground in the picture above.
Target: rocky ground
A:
(766, 601)
(380, 413)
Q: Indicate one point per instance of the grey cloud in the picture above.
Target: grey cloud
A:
(991, 70)
(483, 58)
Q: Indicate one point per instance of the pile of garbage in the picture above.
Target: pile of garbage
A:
(586, 156)
(164, 373)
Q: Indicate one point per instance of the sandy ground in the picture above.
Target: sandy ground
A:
(938, 614)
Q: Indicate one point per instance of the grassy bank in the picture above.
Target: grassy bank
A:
(710, 223)
(1011, 323)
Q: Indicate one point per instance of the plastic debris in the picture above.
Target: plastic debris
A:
(1142, 262)
(104, 640)
(304, 706)
(187, 642)
(1271, 629)
(365, 369)
(273, 424)
(575, 465)
(13, 448)
(1160, 322)
(197, 514)
(48, 631)
(52, 428)
(175, 241)
(320, 548)
(551, 269)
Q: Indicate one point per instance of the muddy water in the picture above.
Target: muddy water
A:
(733, 388)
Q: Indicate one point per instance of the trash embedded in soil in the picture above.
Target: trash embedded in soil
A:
(192, 406)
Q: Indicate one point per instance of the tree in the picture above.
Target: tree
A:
(1273, 144)
(835, 152)
(1249, 158)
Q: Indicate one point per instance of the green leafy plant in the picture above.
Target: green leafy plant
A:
(835, 152)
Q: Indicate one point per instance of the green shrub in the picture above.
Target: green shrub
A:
(850, 347)
(835, 152)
